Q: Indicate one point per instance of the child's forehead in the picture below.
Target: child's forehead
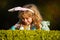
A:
(26, 16)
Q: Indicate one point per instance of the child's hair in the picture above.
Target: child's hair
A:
(36, 17)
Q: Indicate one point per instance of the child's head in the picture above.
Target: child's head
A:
(26, 17)
(34, 18)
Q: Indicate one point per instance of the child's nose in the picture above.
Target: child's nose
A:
(25, 20)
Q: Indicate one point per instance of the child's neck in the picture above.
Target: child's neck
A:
(26, 26)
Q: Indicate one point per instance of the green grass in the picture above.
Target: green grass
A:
(29, 35)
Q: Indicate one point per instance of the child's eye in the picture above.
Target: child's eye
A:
(26, 18)
(22, 18)
(27, 11)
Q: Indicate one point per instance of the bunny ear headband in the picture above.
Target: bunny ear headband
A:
(20, 9)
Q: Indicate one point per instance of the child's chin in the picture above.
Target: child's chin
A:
(26, 23)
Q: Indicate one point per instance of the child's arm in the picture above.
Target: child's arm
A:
(15, 26)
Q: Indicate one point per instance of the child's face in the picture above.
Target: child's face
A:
(26, 17)
(27, 20)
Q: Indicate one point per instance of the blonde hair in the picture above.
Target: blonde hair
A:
(36, 16)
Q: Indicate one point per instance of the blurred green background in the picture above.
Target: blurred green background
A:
(49, 9)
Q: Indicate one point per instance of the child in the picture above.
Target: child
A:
(29, 18)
